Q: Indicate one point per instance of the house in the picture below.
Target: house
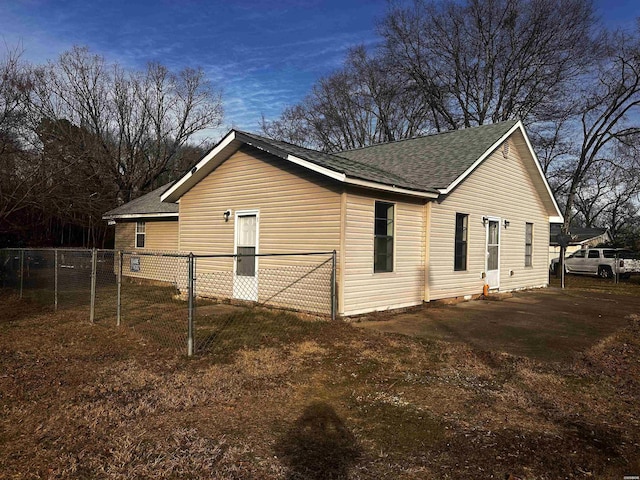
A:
(412, 221)
(580, 238)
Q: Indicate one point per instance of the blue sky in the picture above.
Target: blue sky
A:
(264, 54)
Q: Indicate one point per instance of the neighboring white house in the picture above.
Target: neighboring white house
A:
(412, 221)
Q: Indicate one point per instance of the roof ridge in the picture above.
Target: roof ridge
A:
(262, 137)
(434, 134)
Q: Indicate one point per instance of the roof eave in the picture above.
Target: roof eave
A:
(391, 188)
(198, 172)
(183, 184)
(558, 217)
(127, 216)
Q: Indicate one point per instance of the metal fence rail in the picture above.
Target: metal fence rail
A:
(178, 300)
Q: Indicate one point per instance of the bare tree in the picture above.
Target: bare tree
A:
(609, 109)
(480, 61)
(363, 103)
(133, 125)
(81, 135)
(17, 171)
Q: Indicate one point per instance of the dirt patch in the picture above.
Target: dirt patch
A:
(548, 325)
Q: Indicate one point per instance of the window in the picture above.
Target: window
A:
(383, 237)
(140, 234)
(460, 255)
(594, 254)
(528, 245)
(578, 254)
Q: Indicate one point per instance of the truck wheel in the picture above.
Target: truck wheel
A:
(604, 271)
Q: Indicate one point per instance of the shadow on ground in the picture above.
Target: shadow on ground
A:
(318, 445)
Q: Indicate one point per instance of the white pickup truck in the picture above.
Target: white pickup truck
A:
(603, 262)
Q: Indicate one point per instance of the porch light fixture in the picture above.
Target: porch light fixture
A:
(226, 215)
(484, 221)
(506, 223)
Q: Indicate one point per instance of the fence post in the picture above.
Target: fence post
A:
(55, 280)
(94, 262)
(119, 286)
(21, 272)
(191, 301)
(333, 286)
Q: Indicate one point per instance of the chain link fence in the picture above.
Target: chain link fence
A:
(192, 303)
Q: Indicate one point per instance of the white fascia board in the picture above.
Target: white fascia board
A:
(341, 177)
(140, 215)
(221, 146)
(390, 188)
(542, 176)
(475, 164)
(491, 149)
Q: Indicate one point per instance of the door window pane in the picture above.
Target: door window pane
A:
(493, 232)
(492, 263)
(246, 262)
(493, 245)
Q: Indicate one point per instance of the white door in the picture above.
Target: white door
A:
(245, 269)
(492, 268)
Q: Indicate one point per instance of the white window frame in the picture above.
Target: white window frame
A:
(465, 241)
(393, 237)
(530, 256)
(143, 224)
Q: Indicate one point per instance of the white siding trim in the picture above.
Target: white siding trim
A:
(341, 177)
(140, 215)
(217, 149)
(389, 188)
(395, 306)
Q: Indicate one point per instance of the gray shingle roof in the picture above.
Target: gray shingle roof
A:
(145, 205)
(424, 164)
(350, 167)
(433, 161)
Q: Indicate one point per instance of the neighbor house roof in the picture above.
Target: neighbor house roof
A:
(146, 206)
(579, 235)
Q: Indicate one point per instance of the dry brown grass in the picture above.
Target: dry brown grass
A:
(85, 401)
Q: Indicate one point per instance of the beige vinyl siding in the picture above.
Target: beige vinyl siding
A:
(499, 187)
(125, 236)
(299, 211)
(365, 291)
(160, 236)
